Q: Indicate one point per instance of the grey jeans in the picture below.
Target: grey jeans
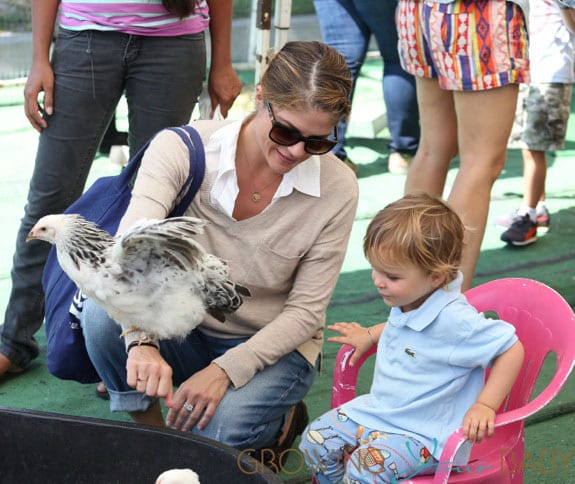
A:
(161, 78)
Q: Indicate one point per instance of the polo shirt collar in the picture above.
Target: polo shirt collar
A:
(424, 315)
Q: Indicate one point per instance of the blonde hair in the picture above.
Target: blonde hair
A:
(308, 76)
(417, 229)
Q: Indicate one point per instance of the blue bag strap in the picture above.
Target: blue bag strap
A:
(127, 176)
(197, 167)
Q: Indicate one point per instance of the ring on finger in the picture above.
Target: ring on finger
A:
(189, 407)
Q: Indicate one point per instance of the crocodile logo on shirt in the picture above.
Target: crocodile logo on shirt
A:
(409, 352)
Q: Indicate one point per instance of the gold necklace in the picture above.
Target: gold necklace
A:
(256, 193)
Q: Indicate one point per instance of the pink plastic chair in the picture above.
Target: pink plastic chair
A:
(545, 323)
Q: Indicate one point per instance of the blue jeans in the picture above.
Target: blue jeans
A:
(347, 25)
(161, 78)
(249, 417)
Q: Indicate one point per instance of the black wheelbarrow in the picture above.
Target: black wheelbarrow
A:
(49, 448)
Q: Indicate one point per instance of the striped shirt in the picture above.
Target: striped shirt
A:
(137, 17)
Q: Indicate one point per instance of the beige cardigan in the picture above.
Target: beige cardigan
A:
(289, 256)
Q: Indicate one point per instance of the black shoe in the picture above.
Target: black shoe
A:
(102, 391)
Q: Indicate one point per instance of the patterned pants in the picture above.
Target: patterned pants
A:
(337, 449)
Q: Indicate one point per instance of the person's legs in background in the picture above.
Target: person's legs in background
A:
(544, 110)
(478, 114)
(399, 91)
(484, 121)
(87, 89)
(164, 80)
(438, 143)
(459, 119)
(343, 29)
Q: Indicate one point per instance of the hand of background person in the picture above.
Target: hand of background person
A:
(479, 422)
(40, 79)
(149, 373)
(224, 86)
(204, 390)
(356, 335)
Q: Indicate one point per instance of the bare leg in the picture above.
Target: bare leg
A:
(534, 173)
(438, 142)
(152, 416)
(484, 122)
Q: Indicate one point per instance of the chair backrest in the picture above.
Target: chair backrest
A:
(544, 322)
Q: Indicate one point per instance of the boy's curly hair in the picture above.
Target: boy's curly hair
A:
(417, 229)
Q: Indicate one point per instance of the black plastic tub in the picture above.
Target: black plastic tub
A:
(46, 448)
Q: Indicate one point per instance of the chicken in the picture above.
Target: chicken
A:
(154, 276)
(178, 476)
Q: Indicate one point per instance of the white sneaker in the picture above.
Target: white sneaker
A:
(119, 155)
(398, 163)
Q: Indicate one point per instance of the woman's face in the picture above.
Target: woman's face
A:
(282, 159)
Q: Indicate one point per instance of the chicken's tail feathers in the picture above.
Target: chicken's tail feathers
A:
(218, 314)
(242, 290)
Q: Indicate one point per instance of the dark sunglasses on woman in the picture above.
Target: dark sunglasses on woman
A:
(286, 136)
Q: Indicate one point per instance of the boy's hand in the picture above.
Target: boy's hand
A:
(353, 334)
(479, 422)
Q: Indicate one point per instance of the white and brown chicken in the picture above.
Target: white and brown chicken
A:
(154, 276)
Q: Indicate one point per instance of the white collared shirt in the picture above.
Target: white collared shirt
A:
(304, 177)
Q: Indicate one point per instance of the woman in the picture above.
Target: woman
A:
(280, 209)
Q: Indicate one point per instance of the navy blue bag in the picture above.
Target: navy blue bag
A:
(104, 203)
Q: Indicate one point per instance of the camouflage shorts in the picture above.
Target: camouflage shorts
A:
(541, 117)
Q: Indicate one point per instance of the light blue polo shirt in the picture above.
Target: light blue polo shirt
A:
(430, 368)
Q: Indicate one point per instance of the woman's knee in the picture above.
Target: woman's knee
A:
(236, 429)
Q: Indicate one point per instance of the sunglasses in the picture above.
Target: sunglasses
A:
(285, 136)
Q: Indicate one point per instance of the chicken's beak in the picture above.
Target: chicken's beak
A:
(31, 235)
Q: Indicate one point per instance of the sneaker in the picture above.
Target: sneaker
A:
(543, 220)
(398, 163)
(522, 231)
(542, 214)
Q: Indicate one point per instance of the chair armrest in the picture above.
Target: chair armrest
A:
(345, 376)
(456, 439)
(453, 444)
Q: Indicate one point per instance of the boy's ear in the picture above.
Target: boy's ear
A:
(438, 279)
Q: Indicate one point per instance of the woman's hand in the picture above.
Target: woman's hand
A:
(149, 373)
(203, 391)
(40, 79)
(479, 422)
(356, 335)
